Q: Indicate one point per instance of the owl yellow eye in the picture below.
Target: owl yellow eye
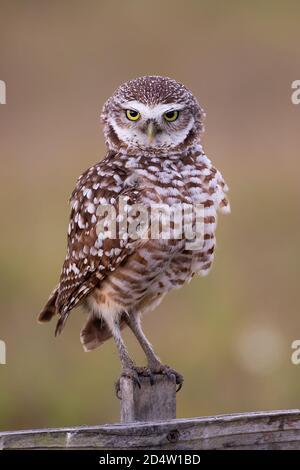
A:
(132, 115)
(171, 116)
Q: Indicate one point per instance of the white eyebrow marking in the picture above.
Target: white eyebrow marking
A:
(151, 111)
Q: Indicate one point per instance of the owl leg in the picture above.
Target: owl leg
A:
(129, 368)
(155, 365)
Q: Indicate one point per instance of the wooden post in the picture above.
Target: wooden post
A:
(155, 402)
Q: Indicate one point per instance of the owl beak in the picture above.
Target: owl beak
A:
(151, 132)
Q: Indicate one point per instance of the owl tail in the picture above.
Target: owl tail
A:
(95, 332)
(49, 310)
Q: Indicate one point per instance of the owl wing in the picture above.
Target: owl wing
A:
(91, 253)
(214, 184)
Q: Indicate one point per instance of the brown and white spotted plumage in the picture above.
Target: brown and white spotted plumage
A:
(152, 158)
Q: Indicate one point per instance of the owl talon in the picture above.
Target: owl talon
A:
(146, 372)
(118, 390)
(172, 374)
(130, 373)
(134, 373)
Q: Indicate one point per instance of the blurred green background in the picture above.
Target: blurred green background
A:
(229, 334)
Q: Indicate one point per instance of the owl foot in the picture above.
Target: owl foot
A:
(170, 373)
(134, 373)
(130, 373)
(146, 372)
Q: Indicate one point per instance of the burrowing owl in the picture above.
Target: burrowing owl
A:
(152, 127)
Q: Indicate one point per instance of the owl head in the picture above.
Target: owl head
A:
(152, 113)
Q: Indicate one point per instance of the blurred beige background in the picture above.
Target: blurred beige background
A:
(230, 334)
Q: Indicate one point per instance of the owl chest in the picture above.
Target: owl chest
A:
(160, 265)
(181, 188)
(172, 184)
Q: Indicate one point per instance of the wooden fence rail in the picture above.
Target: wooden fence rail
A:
(261, 430)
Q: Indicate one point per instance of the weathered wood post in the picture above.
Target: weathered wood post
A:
(263, 430)
(155, 402)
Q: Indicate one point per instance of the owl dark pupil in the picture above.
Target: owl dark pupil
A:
(170, 115)
(133, 113)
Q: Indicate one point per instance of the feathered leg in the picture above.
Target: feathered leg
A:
(155, 365)
(129, 369)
